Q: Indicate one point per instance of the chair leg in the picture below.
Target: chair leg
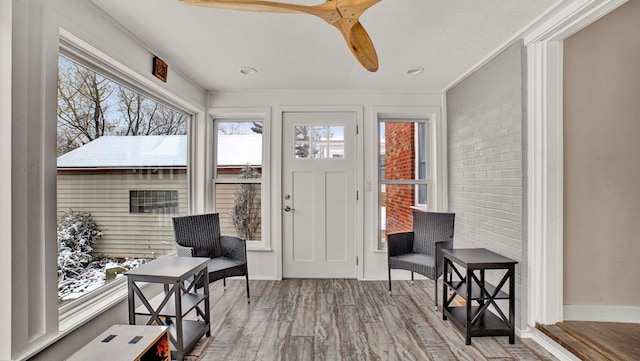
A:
(224, 283)
(247, 278)
(412, 278)
(389, 280)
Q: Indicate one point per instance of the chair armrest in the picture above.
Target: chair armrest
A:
(234, 248)
(399, 243)
(184, 251)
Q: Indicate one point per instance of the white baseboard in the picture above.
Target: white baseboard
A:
(261, 278)
(601, 313)
(548, 344)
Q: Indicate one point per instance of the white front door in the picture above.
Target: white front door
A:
(319, 194)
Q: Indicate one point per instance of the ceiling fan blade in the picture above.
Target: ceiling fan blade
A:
(354, 8)
(343, 14)
(359, 43)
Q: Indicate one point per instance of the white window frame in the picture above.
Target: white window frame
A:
(410, 182)
(80, 311)
(436, 159)
(427, 150)
(262, 115)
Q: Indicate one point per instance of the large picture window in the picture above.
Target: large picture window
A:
(121, 177)
(403, 174)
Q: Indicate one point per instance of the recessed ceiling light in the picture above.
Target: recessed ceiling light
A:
(247, 71)
(415, 71)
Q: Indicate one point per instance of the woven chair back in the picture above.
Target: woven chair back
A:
(429, 227)
(202, 232)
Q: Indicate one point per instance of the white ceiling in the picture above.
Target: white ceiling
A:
(297, 51)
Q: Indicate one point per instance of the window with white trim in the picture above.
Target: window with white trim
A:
(239, 177)
(404, 180)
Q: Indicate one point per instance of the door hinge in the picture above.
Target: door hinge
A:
(357, 195)
(356, 260)
(357, 129)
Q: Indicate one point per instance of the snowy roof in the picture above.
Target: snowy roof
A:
(157, 151)
(239, 149)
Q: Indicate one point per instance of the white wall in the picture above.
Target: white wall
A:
(32, 168)
(267, 264)
(601, 82)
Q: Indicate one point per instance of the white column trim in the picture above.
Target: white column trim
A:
(6, 303)
(545, 183)
(545, 154)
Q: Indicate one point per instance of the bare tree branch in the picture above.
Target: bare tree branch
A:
(85, 98)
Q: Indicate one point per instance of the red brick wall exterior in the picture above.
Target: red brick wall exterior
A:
(400, 164)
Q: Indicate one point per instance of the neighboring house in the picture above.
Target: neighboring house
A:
(134, 185)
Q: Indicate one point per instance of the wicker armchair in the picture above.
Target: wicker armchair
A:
(420, 251)
(199, 236)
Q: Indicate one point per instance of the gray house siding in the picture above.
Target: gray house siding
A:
(105, 194)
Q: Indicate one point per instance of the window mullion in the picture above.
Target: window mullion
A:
(237, 180)
(405, 181)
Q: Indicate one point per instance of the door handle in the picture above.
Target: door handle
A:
(287, 209)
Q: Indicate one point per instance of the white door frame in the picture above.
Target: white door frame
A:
(545, 155)
(276, 209)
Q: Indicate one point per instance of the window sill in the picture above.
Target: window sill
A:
(83, 310)
(259, 248)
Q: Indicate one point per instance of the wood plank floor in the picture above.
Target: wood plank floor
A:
(343, 320)
(597, 341)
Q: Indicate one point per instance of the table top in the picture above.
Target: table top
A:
(169, 266)
(116, 343)
(477, 257)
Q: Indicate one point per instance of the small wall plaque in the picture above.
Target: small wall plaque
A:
(160, 69)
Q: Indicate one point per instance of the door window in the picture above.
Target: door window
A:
(319, 141)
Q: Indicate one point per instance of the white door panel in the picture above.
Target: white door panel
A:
(319, 194)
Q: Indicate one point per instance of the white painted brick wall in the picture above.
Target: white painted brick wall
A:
(486, 124)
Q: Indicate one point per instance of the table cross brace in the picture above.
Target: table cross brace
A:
(490, 298)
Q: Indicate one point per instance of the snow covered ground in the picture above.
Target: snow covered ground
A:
(79, 272)
(92, 277)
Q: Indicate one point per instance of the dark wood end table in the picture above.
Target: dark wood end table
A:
(475, 318)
